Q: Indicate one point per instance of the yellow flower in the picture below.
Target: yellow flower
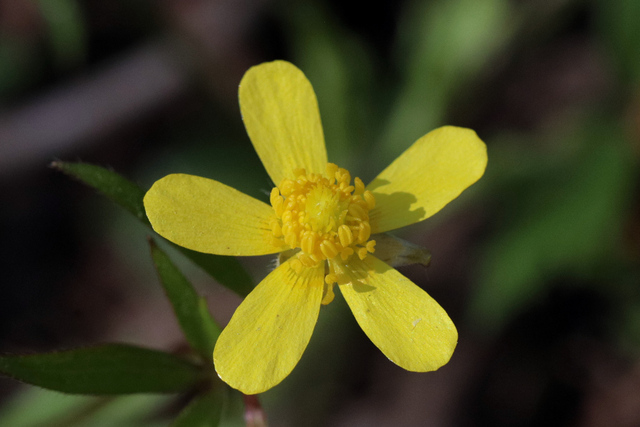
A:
(326, 225)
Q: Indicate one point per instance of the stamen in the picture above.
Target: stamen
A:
(276, 228)
(364, 233)
(328, 249)
(346, 253)
(296, 265)
(328, 294)
(330, 279)
(331, 171)
(308, 242)
(357, 211)
(371, 201)
(324, 216)
(345, 235)
(359, 186)
(371, 246)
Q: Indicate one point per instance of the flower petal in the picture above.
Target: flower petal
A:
(401, 319)
(207, 216)
(280, 113)
(431, 173)
(270, 330)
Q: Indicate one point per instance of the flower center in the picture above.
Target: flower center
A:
(324, 216)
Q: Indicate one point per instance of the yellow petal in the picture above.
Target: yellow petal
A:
(280, 113)
(270, 330)
(401, 319)
(208, 216)
(431, 173)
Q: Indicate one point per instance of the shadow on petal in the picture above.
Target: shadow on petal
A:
(393, 205)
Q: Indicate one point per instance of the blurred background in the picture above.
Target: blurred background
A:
(537, 263)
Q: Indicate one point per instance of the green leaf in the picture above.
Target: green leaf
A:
(105, 370)
(67, 410)
(115, 187)
(226, 270)
(203, 411)
(191, 310)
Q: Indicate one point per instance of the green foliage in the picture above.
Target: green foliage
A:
(340, 67)
(226, 270)
(190, 309)
(565, 219)
(446, 43)
(203, 411)
(618, 21)
(121, 369)
(67, 33)
(69, 410)
(104, 370)
(117, 188)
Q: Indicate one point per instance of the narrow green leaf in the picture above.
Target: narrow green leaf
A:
(203, 411)
(226, 270)
(115, 187)
(191, 310)
(105, 370)
(56, 409)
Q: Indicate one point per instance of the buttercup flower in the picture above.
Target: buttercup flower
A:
(326, 225)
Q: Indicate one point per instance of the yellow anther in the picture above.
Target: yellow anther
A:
(357, 212)
(368, 197)
(278, 205)
(330, 279)
(275, 193)
(328, 249)
(291, 240)
(331, 225)
(306, 260)
(345, 235)
(276, 228)
(364, 233)
(345, 176)
(371, 246)
(324, 216)
(286, 187)
(328, 295)
(331, 171)
(308, 242)
(340, 176)
(296, 265)
(346, 253)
